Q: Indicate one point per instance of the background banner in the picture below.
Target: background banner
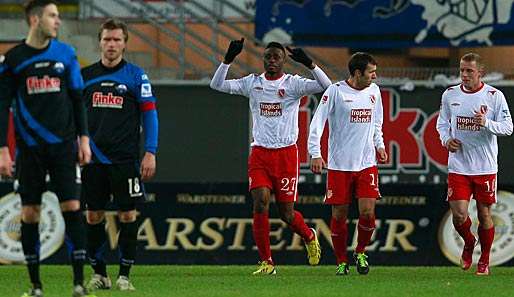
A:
(386, 23)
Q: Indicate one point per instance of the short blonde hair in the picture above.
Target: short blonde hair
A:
(470, 57)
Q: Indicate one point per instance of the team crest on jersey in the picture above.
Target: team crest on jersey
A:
(483, 109)
(324, 99)
(372, 98)
(107, 101)
(59, 67)
(146, 90)
(121, 88)
(43, 85)
(281, 93)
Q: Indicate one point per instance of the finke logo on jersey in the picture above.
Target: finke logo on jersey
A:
(360, 115)
(43, 85)
(109, 100)
(146, 90)
(281, 93)
(467, 123)
(483, 109)
(271, 109)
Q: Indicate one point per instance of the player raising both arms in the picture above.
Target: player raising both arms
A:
(273, 163)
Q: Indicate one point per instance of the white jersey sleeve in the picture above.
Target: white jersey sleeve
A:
(318, 123)
(378, 137)
(501, 124)
(305, 86)
(443, 121)
(239, 86)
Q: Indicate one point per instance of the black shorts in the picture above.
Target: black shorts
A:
(58, 160)
(119, 182)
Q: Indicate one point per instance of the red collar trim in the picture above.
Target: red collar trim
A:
(267, 78)
(471, 92)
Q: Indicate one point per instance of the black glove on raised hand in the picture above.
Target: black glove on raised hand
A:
(234, 49)
(299, 56)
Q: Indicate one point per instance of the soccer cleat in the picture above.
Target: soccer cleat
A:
(33, 293)
(124, 284)
(466, 258)
(361, 261)
(342, 269)
(482, 269)
(313, 249)
(265, 268)
(99, 282)
(80, 291)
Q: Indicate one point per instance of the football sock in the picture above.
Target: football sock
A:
(128, 244)
(260, 230)
(76, 243)
(339, 230)
(299, 227)
(30, 244)
(486, 241)
(365, 231)
(464, 231)
(96, 243)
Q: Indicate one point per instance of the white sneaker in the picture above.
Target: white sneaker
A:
(124, 284)
(99, 282)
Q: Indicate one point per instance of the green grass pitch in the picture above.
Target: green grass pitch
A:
(297, 281)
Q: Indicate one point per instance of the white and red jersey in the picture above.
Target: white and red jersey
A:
(355, 126)
(274, 103)
(479, 151)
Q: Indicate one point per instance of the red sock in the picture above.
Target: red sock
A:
(464, 231)
(486, 241)
(299, 227)
(260, 230)
(365, 230)
(339, 231)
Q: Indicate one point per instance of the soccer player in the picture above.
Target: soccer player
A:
(273, 163)
(43, 75)
(117, 94)
(353, 109)
(472, 115)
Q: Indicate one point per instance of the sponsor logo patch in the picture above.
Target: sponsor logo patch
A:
(108, 101)
(467, 123)
(43, 85)
(146, 90)
(271, 109)
(361, 115)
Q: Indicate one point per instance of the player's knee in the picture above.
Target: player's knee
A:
(95, 217)
(367, 213)
(459, 218)
(30, 213)
(260, 205)
(70, 205)
(127, 216)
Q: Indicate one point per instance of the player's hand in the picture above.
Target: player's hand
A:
(84, 150)
(6, 164)
(480, 118)
(453, 145)
(148, 165)
(317, 164)
(382, 155)
(234, 49)
(300, 56)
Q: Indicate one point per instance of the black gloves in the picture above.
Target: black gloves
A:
(299, 56)
(234, 49)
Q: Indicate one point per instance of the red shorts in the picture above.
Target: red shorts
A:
(481, 187)
(342, 184)
(276, 169)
